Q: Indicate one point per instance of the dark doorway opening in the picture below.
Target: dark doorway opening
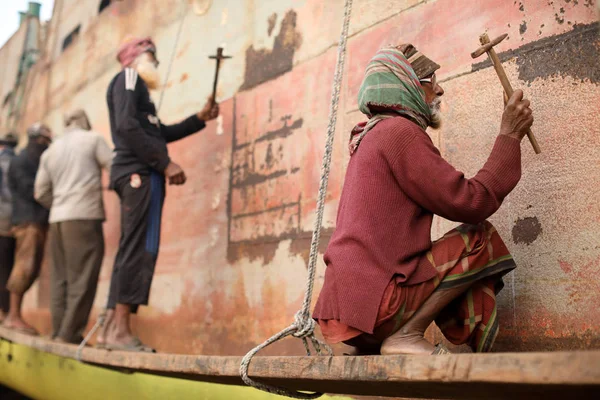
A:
(71, 37)
(103, 5)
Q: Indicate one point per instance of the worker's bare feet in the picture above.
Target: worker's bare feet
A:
(17, 324)
(119, 336)
(410, 338)
(406, 343)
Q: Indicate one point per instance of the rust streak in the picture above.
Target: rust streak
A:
(282, 132)
(526, 230)
(263, 65)
(281, 207)
(254, 179)
(569, 54)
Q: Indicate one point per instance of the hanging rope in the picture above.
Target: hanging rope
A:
(304, 326)
(101, 318)
(91, 333)
(180, 29)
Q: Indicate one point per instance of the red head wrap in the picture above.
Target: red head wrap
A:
(132, 48)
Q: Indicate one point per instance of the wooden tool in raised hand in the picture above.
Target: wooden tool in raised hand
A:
(487, 46)
(218, 57)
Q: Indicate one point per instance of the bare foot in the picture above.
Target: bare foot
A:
(120, 332)
(121, 337)
(406, 343)
(117, 337)
(18, 324)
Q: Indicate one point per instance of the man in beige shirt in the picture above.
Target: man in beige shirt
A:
(69, 183)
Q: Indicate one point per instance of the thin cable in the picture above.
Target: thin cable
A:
(91, 333)
(304, 326)
(164, 86)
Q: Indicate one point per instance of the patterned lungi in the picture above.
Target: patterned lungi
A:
(469, 254)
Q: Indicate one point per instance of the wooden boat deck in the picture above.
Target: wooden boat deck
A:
(551, 375)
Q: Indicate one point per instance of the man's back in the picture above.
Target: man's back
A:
(72, 165)
(21, 177)
(6, 156)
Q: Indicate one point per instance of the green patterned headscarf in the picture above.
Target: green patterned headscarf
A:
(390, 88)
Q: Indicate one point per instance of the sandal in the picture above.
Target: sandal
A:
(26, 331)
(440, 349)
(136, 346)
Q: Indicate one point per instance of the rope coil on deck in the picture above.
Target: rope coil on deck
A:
(304, 326)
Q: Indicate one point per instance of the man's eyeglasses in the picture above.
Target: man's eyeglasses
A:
(432, 80)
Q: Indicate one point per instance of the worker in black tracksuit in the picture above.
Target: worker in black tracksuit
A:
(138, 173)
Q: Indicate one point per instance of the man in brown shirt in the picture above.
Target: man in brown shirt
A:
(386, 282)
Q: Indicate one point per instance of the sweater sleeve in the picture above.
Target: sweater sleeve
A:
(185, 128)
(150, 150)
(437, 186)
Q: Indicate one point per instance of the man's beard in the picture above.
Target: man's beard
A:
(436, 113)
(149, 73)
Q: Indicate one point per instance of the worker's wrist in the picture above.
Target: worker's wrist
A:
(512, 135)
(202, 116)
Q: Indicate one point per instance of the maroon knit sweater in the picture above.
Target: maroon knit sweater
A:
(394, 184)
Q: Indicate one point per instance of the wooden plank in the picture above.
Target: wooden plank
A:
(551, 375)
(40, 375)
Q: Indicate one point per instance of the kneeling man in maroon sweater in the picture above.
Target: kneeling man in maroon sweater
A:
(385, 281)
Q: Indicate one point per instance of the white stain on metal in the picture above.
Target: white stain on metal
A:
(220, 125)
(224, 16)
(214, 235)
(216, 201)
(201, 7)
(174, 285)
(257, 275)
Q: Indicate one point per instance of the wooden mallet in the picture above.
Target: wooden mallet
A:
(487, 46)
(218, 57)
